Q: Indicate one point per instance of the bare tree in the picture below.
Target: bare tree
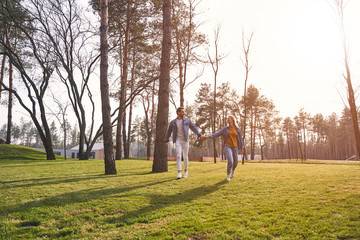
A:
(60, 116)
(110, 167)
(245, 60)
(215, 61)
(35, 78)
(71, 36)
(148, 101)
(160, 153)
(340, 7)
(187, 41)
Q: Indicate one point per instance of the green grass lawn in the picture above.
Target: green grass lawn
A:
(73, 199)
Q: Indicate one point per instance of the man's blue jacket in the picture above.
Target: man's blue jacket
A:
(186, 124)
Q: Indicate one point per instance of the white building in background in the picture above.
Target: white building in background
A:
(97, 152)
(57, 151)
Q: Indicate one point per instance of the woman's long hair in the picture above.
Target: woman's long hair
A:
(233, 118)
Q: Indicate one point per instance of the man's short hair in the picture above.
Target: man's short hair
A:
(179, 109)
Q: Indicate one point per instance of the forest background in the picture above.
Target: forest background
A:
(285, 111)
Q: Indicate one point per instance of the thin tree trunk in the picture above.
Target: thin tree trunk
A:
(2, 73)
(147, 124)
(305, 147)
(288, 145)
(152, 116)
(246, 50)
(10, 105)
(124, 77)
(214, 110)
(180, 64)
(126, 151)
(214, 122)
(65, 136)
(131, 103)
(110, 167)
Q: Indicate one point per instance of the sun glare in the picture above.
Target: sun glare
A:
(316, 35)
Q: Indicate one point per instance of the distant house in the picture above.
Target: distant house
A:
(97, 152)
(2, 140)
(59, 152)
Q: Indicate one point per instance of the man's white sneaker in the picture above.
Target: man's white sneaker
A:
(185, 174)
(179, 175)
(228, 177)
(233, 174)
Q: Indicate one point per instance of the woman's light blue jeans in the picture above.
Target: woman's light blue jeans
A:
(231, 154)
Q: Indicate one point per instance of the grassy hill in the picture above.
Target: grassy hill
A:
(75, 200)
(15, 152)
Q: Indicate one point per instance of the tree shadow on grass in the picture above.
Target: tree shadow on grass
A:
(76, 197)
(48, 181)
(158, 202)
(42, 181)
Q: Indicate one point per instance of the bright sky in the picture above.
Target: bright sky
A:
(296, 52)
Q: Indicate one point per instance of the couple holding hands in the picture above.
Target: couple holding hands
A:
(231, 134)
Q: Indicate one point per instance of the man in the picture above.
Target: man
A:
(179, 128)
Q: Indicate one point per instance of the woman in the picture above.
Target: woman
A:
(233, 142)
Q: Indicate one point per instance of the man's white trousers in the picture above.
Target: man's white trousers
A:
(182, 148)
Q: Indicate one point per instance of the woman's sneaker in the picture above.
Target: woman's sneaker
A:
(179, 175)
(186, 174)
(233, 173)
(228, 177)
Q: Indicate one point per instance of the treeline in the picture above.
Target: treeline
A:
(26, 134)
(267, 135)
(314, 137)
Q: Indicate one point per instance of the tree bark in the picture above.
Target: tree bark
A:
(2, 73)
(126, 150)
(146, 106)
(160, 163)
(214, 114)
(180, 64)
(65, 135)
(10, 105)
(110, 167)
(131, 105)
(149, 119)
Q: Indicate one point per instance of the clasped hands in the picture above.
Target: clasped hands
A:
(204, 137)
